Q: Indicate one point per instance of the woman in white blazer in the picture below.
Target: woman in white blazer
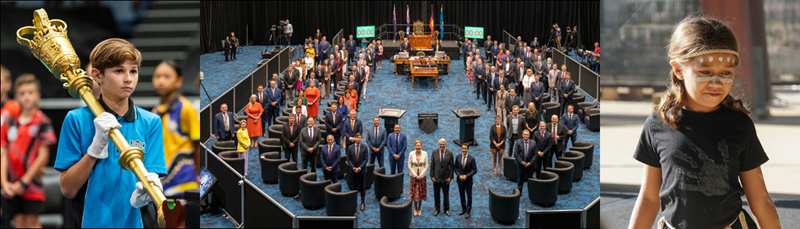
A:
(418, 168)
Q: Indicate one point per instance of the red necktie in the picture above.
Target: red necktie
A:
(554, 132)
(356, 154)
(542, 136)
(330, 148)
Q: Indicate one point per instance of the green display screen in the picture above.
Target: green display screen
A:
(473, 32)
(365, 31)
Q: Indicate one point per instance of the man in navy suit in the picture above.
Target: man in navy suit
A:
(524, 157)
(571, 122)
(376, 139)
(396, 144)
(537, 91)
(492, 86)
(495, 52)
(465, 170)
(330, 156)
(333, 123)
(544, 142)
(357, 156)
(351, 48)
(350, 127)
(223, 124)
(273, 95)
(479, 79)
(566, 89)
(323, 47)
(261, 98)
(535, 43)
(405, 46)
(466, 47)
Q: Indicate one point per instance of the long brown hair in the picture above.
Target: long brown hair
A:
(695, 34)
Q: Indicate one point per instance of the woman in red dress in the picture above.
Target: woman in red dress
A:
(312, 96)
(253, 111)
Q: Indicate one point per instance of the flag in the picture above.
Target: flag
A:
(408, 23)
(441, 24)
(394, 21)
(431, 22)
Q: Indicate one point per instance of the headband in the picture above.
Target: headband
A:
(690, 55)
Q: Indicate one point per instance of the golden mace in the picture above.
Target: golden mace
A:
(51, 46)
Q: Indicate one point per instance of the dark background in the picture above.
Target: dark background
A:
(523, 18)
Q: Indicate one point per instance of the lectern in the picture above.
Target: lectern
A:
(390, 117)
(467, 130)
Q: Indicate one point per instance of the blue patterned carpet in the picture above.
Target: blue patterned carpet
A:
(389, 91)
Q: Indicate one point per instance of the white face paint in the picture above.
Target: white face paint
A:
(714, 79)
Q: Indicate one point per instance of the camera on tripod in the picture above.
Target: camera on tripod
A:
(569, 30)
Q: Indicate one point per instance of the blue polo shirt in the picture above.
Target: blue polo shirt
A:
(107, 198)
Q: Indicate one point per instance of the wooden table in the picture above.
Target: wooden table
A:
(424, 72)
(399, 62)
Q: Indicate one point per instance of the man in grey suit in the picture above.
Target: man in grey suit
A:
(487, 47)
(512, 100)
(376, 139)
(441, 174)
(554, 82)
(515, 123)
(292, 77)
(309, 142)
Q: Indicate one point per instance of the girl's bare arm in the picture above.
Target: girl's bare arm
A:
(647, 205)
(758, 198)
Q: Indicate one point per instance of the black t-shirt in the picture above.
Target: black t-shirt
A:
(700, 165)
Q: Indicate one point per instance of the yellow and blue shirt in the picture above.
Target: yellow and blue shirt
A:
(109, 189)
(181, 126)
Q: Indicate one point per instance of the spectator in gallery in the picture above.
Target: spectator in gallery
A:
(418, 170)
(596, 48)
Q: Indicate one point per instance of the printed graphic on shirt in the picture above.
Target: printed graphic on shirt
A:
(711, 178)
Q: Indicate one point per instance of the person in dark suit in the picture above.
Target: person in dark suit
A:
(466, 47)
(350, 127)
(539, 66)
(535, 43)
(441, 173)
(309, 141)
(357, 155)
(290, 138)
(224, 129)
(559, 133)
(329, 157)
(495, 52)
(515, 123)
(323, 46)
(500, 79)
(279, 84)
(292, 76)
(571, 122)
(466, 168)
(487, 47)
(273, 95)
(405, 46)
(376, 140)
(230, 42)
(351, 48)
(478, 79)
(544, 143)
(517, 74)
(512, 100)
(525, 158)
(537, 91)
(333, 123)
(567, 89)
(490, 85)
(396, 144)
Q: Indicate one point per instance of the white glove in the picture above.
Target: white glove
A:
(140, 198)
(102, 124)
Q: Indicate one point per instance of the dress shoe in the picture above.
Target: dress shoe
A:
(435, 213)
(467, 217)
(461, 212)
(447, 212)
(487, 109)
(363, 207)
(484, 102)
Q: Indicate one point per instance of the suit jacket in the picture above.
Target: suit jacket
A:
(538, 66)
(511, 67)
(405, 46)
(303, 121)
(351, 46)
(219, 124)
(571, 124)
(422, 166)
(537, 90)
(324, 46)
(288, 136)
(292, 78)
(510, 102)
(361, 161)
(442, 169)
(310, 141)
(494, 137)
(527, 58)
(376, 141)
(495, 50)
(517, 74)
(520, 127)
(349, 131)
(331, 123)
(470, 169)
(534, 44)
(273, 97)
(553, 78)
(567, 87)
(561, 132)
(497, 83)
(487, 46)
(394, 147)
(479, 70)
(520, 155)
(543, 144)
(332, 160)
